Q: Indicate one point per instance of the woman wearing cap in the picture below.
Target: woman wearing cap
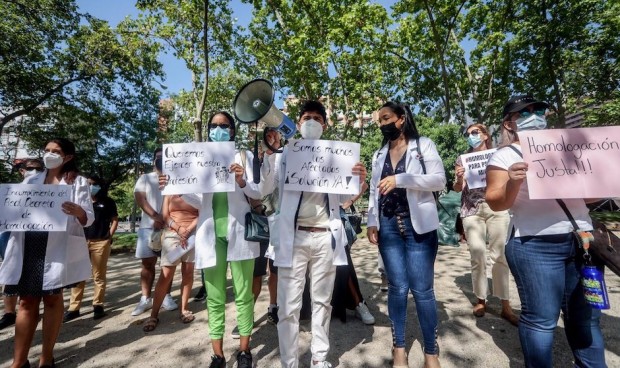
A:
(481, 223)
(541, 249)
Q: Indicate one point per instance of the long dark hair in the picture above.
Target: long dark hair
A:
(68, 148)
(231, 121)
(409, 128)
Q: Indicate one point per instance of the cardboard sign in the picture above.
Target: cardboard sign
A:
(199, 167)
(572, 163)
(33, 207)
(475, 165)
(322, 166)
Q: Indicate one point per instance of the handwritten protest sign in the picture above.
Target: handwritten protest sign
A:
(33, 207)
(198, 167)
(475, 165)
(322, 166)
(572, 163)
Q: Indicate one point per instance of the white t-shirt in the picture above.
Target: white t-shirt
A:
(313, 210)
(539, 216)
(149, 184)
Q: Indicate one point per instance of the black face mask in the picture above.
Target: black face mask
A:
(158, 164)
(390, 131)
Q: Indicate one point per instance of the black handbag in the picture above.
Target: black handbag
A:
(256, 227)
(355, 219)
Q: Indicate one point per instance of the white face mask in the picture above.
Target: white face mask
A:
(311, 129)
(52, 160)
(532, 122)
(29, 173)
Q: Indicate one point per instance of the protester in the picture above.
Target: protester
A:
(149, 198)
(263, 265)
(310, 237)
(99, 239)
(481, 223)
(347, 293)
(402, 207)
(38, 264)
(220, 241)
(181, 220)
(541, 249)
(30, 167)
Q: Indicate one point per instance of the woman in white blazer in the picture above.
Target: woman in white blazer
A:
(220, 241)
(403, 221)
(38, 265)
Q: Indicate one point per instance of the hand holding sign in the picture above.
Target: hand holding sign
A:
(36, 207)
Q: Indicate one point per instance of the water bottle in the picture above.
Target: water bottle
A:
(594, 288)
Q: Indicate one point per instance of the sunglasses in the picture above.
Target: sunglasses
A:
(525, 113)
(473, 132)
(34, 168)
(223, 126)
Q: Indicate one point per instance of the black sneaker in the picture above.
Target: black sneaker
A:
(201, 295)
(244, 359)
(98, 312)
(71, 315)
(217, 362)
(272, 315)
(7, 320)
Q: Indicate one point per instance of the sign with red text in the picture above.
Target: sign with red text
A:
(33, 207)
(322, 166)
(475, 165)
(572, 163)
(198, 167)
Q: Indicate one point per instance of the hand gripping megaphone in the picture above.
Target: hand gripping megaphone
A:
(254, 102)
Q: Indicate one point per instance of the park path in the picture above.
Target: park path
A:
(465, 341)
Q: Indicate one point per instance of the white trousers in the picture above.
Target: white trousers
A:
(312, 251)
(491, 225)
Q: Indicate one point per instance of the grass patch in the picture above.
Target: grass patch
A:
(124, 242)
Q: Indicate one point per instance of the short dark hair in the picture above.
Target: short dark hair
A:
(230, 119)
(97, 180)
(156, 151)
(409, 128)
(314, 106)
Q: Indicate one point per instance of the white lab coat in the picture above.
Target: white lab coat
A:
(238, 248)
(66, 259)
(420, 186)
(283, 223)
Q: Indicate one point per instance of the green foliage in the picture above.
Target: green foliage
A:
(448, 139)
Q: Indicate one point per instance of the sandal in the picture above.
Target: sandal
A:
(151, 324)
(187, 317)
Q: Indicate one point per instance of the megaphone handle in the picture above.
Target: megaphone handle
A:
(274, 150)
(256, 160)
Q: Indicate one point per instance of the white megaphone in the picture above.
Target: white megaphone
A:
(254, 102)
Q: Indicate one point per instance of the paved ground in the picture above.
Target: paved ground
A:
(466, 341)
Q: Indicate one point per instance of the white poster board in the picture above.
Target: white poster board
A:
(33, 207)
(199, 167)
(322, 166)
(475, 165)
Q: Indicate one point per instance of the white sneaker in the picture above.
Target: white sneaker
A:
(144, 305)
(362, 312)
(169, 304)
(323, 364)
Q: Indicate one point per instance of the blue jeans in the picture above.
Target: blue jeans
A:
(4, 241)
(546, 270)
(409, 260)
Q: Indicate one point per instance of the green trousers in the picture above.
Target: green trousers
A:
(215, 280)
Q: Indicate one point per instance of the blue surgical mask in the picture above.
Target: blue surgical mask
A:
(474, 140)
(218, 134)
(94, 189)
(532, 122)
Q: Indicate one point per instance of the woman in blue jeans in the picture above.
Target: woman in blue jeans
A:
(541, 250)
(402, 219)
